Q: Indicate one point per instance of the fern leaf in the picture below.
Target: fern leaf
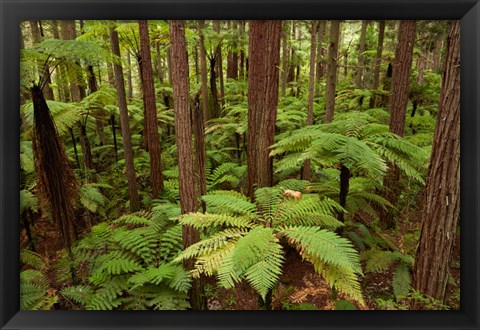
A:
(401, 282)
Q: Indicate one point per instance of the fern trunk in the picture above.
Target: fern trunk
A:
(441, 210)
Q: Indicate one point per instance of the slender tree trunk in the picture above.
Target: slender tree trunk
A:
(74, 143)
(62, 82)
(264, 60)
(124, 123)
(159, 63)
(156, 176)
(285, 52)
(188, 198)
(398, 106)
(311, 91)
(361, 56)
(344, 188)
(114, 134)
(242, 51)
(219, 62)
(169, 65)
(92, 88)
(215, 113)
(43, 68)
(200, 150)
(203, 68)
(378, 62)
(129, 77)
(441, 210)
(319, 71)
(332, 70)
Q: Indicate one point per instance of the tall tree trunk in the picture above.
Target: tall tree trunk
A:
(219, 62)
(188, 198)
(215, 112)
(124, 123)
(62, 82)
(397, 107)
(311, 90)
(200, 151)
(319, 71)
(43, 68)
(77, 89)
(203, 68)
(92, 88)
(378, 62)
(242, 51)
(129, 78)
(159, 63)
(156, 175)
(332, 70)
(285, 53)
(264, 60)
(441, 211)
(361, 56)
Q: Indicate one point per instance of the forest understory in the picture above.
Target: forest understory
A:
(240, 165)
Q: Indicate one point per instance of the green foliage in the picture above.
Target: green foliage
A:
(129, 264)
(247, 242)
(35, 292)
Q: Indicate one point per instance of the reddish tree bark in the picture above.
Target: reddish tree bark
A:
(332, 70)
(398, 106)
(188, 198)
(441, 211)
(124, 123)
(264, 59)
(311, 90)
(156, 176)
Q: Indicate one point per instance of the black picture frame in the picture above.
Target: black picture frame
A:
(13, 11)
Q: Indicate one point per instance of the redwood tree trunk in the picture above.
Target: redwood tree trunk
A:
(124, 123)
(378, 62)
(188, 198)
(441, 210)
(361, 57)
(43, 69)
(319, 71)
(311, 90)
(156, 176)
(398, 106)
(264, 59)
(203, 69)
(332, 70)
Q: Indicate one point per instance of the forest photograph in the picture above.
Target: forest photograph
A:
(239, 165)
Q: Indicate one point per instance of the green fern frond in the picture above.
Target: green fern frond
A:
(378, 260)
(152, 275)
(203, 221)
(32, 259)
(80, 294)
(215, 242)
(171, 243)
(258, 256)
(325, 245)
(221, 203)
(401, 282)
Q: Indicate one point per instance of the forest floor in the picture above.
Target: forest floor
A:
(299, 284)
